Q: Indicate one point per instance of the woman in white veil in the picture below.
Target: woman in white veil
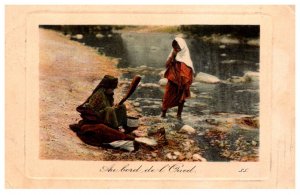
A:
(179, 73)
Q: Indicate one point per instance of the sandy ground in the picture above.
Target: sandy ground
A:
(69, 71)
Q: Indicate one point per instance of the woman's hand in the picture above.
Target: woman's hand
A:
(174, 53)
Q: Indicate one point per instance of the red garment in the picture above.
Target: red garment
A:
(97, 134)
(180, 78)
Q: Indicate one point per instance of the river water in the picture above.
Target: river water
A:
(145, 54)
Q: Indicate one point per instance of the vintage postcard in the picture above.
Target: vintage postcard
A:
(150, 96)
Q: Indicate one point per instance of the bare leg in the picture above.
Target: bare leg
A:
(179, 111)
(163, 113)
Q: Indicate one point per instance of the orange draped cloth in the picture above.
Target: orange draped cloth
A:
(180, 78)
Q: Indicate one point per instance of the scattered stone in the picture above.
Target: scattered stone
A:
(138, 109)
(162, 73)
(253, 42)
(163, 82)
(193, 95)
(221, 144)
(229, 61)
(239, 79)
(139, 133)
(169, 156)
(150, 85)
(177, 153)
(197, 157)
(181, 157)
(68, 36)
(154, 155)
(99, 35)
(136, 104)
(254, 143)
(212, 121)
(253, 76)
(187, 145)
(226, 153)
(206, 78)
(187, 129)
(78, 36)
(188, 155)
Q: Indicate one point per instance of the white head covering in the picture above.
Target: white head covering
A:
(184, 54)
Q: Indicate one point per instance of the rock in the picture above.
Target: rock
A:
(193, 95)
(253, 76)
(239, 79)
(187, 129)
(188, 155)
(163, 82)
(126, 145)
(253, 42)
(229, 40)
(229, 61)
(212, 121)
(146, 141)
(138, 109)
(226, 153)
(191, 141)
(223, 54)
(153, 154)
(139, 133)
(206, 78)
(177, 153)
(169, 156)
(222, 46)
(197, 157)
(254, 143)
(78, 36)
(136, 104)
(181, 157)
(187, 145)
(99, 35)
(149, 85)
(68, 36)
(248, 77)
(162, 73)
(221, 145)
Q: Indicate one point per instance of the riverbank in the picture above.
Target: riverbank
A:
(69, 71)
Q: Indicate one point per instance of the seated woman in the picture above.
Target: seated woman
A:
(99, 108)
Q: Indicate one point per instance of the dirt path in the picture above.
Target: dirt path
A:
(69, 71)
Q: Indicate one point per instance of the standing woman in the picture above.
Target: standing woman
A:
(180, 77)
